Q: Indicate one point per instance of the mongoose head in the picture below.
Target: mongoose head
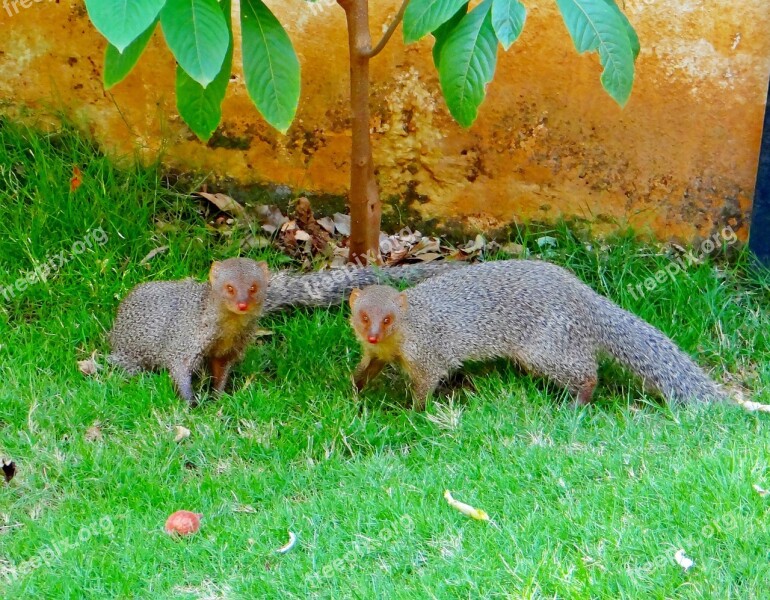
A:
(240, 284)
(376, 312)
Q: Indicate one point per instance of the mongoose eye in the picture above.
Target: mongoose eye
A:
(253, 289)
(365, 318)
(230, 289)
(387, 320)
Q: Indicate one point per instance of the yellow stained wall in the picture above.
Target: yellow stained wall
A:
(679, 160)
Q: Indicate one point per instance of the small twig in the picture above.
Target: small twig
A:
(389, 33)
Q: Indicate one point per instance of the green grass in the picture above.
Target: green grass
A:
(587, 504)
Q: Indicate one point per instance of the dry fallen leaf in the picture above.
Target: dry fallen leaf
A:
(316, 234)
(93, 433)
(224, 203)
(270, 216)
(342, 223)
(327, 223)
(256, 242)
(475, 246)
(89, 367)
(760, 490)
(181, 433)
(426, 244)
(152, 254)
(302, 236)
(513, 249)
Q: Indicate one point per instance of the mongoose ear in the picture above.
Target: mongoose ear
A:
(265, 270)
(402, 300)
(354, 296)
(213, 270)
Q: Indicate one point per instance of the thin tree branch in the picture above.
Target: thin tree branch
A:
(389, 33)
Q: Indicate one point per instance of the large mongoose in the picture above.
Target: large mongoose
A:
(185, 325)
(534, 313)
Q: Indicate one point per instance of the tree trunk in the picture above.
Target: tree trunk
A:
(364, 199)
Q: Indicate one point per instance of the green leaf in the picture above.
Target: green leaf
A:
(424, 16)
(508, 18)
(270, 65)
(633, 38)
(117, 65)
(201, 108)
(467, 63)
(122, 21)
(443, 31)
(196, 32)
(595, 25)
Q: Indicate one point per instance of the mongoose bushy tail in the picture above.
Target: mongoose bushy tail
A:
(326, 288)
(651, 355)
(184, 326)
(534, 313)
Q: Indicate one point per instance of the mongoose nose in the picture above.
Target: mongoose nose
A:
(243, 306)
(372, 339)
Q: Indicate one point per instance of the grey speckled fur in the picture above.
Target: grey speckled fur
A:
(535, 313)
(327, 288)
(178, 325)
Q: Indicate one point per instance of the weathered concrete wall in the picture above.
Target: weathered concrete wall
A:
(680, 159)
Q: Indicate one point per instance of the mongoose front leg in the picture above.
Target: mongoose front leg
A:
(220, 370)
(423, 385)
(367, 370)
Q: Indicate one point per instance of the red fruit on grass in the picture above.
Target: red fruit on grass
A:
(183, 522)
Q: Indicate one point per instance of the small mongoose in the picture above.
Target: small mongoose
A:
(534, 313)
(185, 325)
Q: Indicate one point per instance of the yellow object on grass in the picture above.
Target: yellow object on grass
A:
(466, 509)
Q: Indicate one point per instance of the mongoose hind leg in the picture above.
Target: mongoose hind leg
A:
(584, 393)
(367, 370)
(576, 371)
(182, 378)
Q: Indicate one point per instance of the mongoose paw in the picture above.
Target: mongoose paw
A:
(576, 404)
(358, 384)
(419, 404)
